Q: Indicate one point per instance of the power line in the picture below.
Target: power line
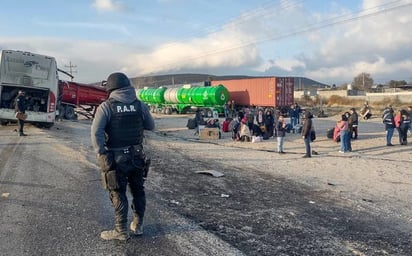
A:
(325, 23)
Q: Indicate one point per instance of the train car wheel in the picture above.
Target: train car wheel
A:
(209, 113)
(69, 113)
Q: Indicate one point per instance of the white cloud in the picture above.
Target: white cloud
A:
(108, 5)
(260, 42)
(227, 48)
(351, 47)
(88, 26)
(281, 65)
(94, 60)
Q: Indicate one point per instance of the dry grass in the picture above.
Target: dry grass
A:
(335, 105)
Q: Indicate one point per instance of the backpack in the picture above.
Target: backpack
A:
(312, 135)
(329, 133)
(191, 123)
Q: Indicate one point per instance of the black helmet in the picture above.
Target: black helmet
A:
(116, 81)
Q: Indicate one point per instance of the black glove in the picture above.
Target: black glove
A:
(106, 161)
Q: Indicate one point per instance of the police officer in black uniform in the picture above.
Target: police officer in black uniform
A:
(117, 136)
(20, 107)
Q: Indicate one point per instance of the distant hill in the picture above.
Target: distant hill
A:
(178, 79)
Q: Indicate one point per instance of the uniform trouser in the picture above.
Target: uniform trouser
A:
(21, 125)
(119, 199)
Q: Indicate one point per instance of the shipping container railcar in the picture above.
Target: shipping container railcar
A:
(275, 92)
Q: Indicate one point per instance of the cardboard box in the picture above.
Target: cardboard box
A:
(209, 134)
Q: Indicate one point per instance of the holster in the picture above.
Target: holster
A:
(140, 156)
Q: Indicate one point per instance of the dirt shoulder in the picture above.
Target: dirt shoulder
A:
(270, 204)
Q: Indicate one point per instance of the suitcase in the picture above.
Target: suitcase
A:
(225, 127)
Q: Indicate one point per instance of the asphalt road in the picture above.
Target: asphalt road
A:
(52, 203)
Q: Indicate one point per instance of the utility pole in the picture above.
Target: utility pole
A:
(71, 71)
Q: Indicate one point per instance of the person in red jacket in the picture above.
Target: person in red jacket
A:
(398, 120)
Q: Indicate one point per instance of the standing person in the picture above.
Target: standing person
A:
(293, 116)
(389, 122)
(281, 133)
(398, 120)
(350, 131)
(198, 119)
(260, 121)
(343, 127)
(20, 107)
(404, 126)
(306, 130)
(298, 111)
(117, 137)
(226, 110)
(410, 118)
(233, 109)
(355, 123)
(269, 123)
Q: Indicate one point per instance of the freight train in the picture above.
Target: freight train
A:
(183, 99)
(266, 92)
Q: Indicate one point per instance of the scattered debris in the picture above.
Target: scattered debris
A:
(367, 200)
(224, 195)
(212, 173)
(174, 202)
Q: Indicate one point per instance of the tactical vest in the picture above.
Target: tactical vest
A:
(388, 119)
(126, 124)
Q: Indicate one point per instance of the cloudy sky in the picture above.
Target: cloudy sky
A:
(328, 41)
